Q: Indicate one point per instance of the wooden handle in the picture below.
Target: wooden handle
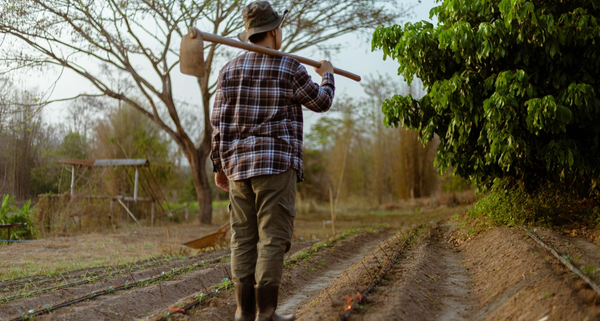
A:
(268, 51)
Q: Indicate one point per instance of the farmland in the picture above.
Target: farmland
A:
(414, 261)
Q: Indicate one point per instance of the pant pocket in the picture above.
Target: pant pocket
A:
(289, 209)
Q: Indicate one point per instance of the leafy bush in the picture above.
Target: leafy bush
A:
(23, 216)
(512, 89)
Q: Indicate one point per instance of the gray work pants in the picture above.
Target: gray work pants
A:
(262, 223)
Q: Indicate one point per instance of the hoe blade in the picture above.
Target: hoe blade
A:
(191, 57)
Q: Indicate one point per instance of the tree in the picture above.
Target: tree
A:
(82, 113)
(20, 123)
(140, 39)
(511, 89)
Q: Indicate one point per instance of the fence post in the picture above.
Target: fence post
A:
(135, 187)
(72, 181)
(112, 205)
(152, 214)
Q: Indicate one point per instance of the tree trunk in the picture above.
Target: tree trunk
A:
(203, 193)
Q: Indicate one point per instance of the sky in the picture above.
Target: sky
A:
(356, 57)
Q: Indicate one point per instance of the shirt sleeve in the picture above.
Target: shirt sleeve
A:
(215, 155)
(310, 94)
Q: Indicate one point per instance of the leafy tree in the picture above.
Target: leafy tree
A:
(74, 146)
(127, 134)
(512, 89)
(140, 38)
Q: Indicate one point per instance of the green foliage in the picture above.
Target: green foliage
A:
(73, 146)
(511, 89)
(5, 208)
(23, 215)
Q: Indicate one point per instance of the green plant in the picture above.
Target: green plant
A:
(5, 208)
(511, 89)
(22, 216)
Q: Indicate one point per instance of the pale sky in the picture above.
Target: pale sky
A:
(356, 57)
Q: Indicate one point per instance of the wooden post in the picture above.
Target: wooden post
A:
(129, 212)
(72, 180)
(135, 186)
(332, 212)
(112, 208)
(187, 214)
(152, 214)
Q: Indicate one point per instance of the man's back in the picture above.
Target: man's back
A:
(258, 115)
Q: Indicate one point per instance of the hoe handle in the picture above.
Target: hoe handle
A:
(243, 45)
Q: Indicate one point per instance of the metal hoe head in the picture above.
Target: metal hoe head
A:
(191, 57)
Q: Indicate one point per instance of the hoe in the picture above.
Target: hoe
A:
(191, 62)
(192, 53)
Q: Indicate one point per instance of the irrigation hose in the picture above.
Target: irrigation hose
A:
(72, 274)
(49, 308)
(121, 269)
(568, 264)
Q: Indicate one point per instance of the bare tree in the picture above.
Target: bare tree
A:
(82, 114)
(140, 38)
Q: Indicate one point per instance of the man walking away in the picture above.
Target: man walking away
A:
(257, 156)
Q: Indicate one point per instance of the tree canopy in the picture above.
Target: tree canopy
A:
(512, 88)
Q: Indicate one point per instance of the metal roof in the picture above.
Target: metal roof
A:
(122, 162)
(83, 162)
(107, 162)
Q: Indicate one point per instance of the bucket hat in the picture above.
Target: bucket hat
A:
(259, 17)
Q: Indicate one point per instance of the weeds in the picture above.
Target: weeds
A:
(549, 205)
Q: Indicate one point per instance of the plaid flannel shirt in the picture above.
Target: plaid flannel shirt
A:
(257, 116)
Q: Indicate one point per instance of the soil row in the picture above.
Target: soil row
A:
(20, 290)
(499, 274)
(425, 273)
(177, 274)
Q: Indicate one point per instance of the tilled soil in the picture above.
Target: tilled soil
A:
(425, 273)
(304, 280)
(429, 283)
(136, 302)
(516, 279)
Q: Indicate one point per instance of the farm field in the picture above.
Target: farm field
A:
(416, 261)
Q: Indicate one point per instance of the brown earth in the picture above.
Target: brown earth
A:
(304, 280)
(499, 274)
(516, 279)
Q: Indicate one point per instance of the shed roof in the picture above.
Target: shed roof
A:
(107, 162)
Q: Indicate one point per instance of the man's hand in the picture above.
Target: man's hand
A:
(326, 66)
(221, 181)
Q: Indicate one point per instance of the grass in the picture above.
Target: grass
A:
(548, 205)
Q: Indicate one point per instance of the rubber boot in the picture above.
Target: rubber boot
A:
(266, 304)
(246, 304)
